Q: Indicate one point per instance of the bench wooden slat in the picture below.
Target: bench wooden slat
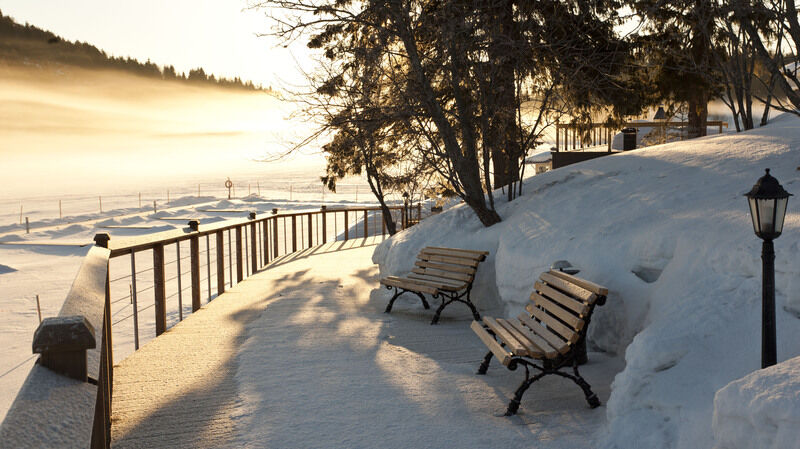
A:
(543, 346)
(502, 355)
(470, 251)
(557, 310)
(554, 325)
(569, 288)
(464, 277)
(567, 301)
(446, 267)
(452, 252)
(451, 260)
(534, 350)
(444, 284)
(537, 328)
(588, 285)
(516, 347)
(408, 285)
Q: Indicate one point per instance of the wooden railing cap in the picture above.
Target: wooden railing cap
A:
(64, 333)
(101, 240)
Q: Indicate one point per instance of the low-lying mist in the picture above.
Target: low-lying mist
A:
(82, 131)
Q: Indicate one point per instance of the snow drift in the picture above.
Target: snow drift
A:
(760, 410)
(667, 230)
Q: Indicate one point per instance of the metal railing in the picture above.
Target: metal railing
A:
(71, 386)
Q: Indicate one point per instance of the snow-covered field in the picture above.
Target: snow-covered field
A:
(667, 229)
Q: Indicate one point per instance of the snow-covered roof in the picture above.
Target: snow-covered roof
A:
(539, 158)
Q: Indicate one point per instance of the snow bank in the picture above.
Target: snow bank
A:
(760, 410)
(667, 230)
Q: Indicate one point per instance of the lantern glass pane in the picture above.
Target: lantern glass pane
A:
(780, 213)
(766, 215)
(754, 214)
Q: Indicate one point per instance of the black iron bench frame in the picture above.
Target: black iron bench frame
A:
(445, 293)
(549, 365)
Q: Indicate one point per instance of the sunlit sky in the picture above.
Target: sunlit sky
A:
(218, 35)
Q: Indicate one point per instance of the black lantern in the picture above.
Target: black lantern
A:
(768, 207)
(768, 202)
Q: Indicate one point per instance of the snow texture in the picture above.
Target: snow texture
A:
(668, 231)
(760, 410)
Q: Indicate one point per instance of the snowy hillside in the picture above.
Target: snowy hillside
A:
(667, 229)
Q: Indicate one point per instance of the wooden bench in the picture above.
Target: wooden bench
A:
(549, 336)
(445, 273)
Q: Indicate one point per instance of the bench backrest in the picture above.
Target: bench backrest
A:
(563, 304)
(449, 263)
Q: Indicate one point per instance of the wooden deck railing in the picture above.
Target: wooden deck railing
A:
(585, 135)
(66, 399)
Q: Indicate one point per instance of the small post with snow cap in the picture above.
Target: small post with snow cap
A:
(62, 341)
(767, 200)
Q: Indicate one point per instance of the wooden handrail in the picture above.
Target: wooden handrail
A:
(71, 385)
(124, 246)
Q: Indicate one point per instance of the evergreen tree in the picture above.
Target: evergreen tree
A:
(678, 41)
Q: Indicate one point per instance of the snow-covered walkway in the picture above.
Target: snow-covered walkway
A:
(301, 355)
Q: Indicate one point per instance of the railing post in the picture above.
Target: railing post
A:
(194, 250)
(266, 241)
(159, 289)
(239, 273)
(324, 224)
(366, 223)
(419, 213)
(557, 134)
(310, 231)
(253, 244)
(346, 226)
(101, 427)
(194, 264)
(294, 233)
(275, 237)
(220, 263)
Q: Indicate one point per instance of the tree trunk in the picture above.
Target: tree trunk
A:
(464, 161)
(377, 190)
(698, 114)
(505, 145)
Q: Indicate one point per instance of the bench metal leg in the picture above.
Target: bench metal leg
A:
(485, 364)
(439, 311)
(399, 292)
(513, 406)
(446, 300)
(591, 398)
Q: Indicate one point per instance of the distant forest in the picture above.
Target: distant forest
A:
(29, 45)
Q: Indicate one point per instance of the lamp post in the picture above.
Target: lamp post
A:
(768, 202)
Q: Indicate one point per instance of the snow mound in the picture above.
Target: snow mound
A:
(760, 410)
(667, 230)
